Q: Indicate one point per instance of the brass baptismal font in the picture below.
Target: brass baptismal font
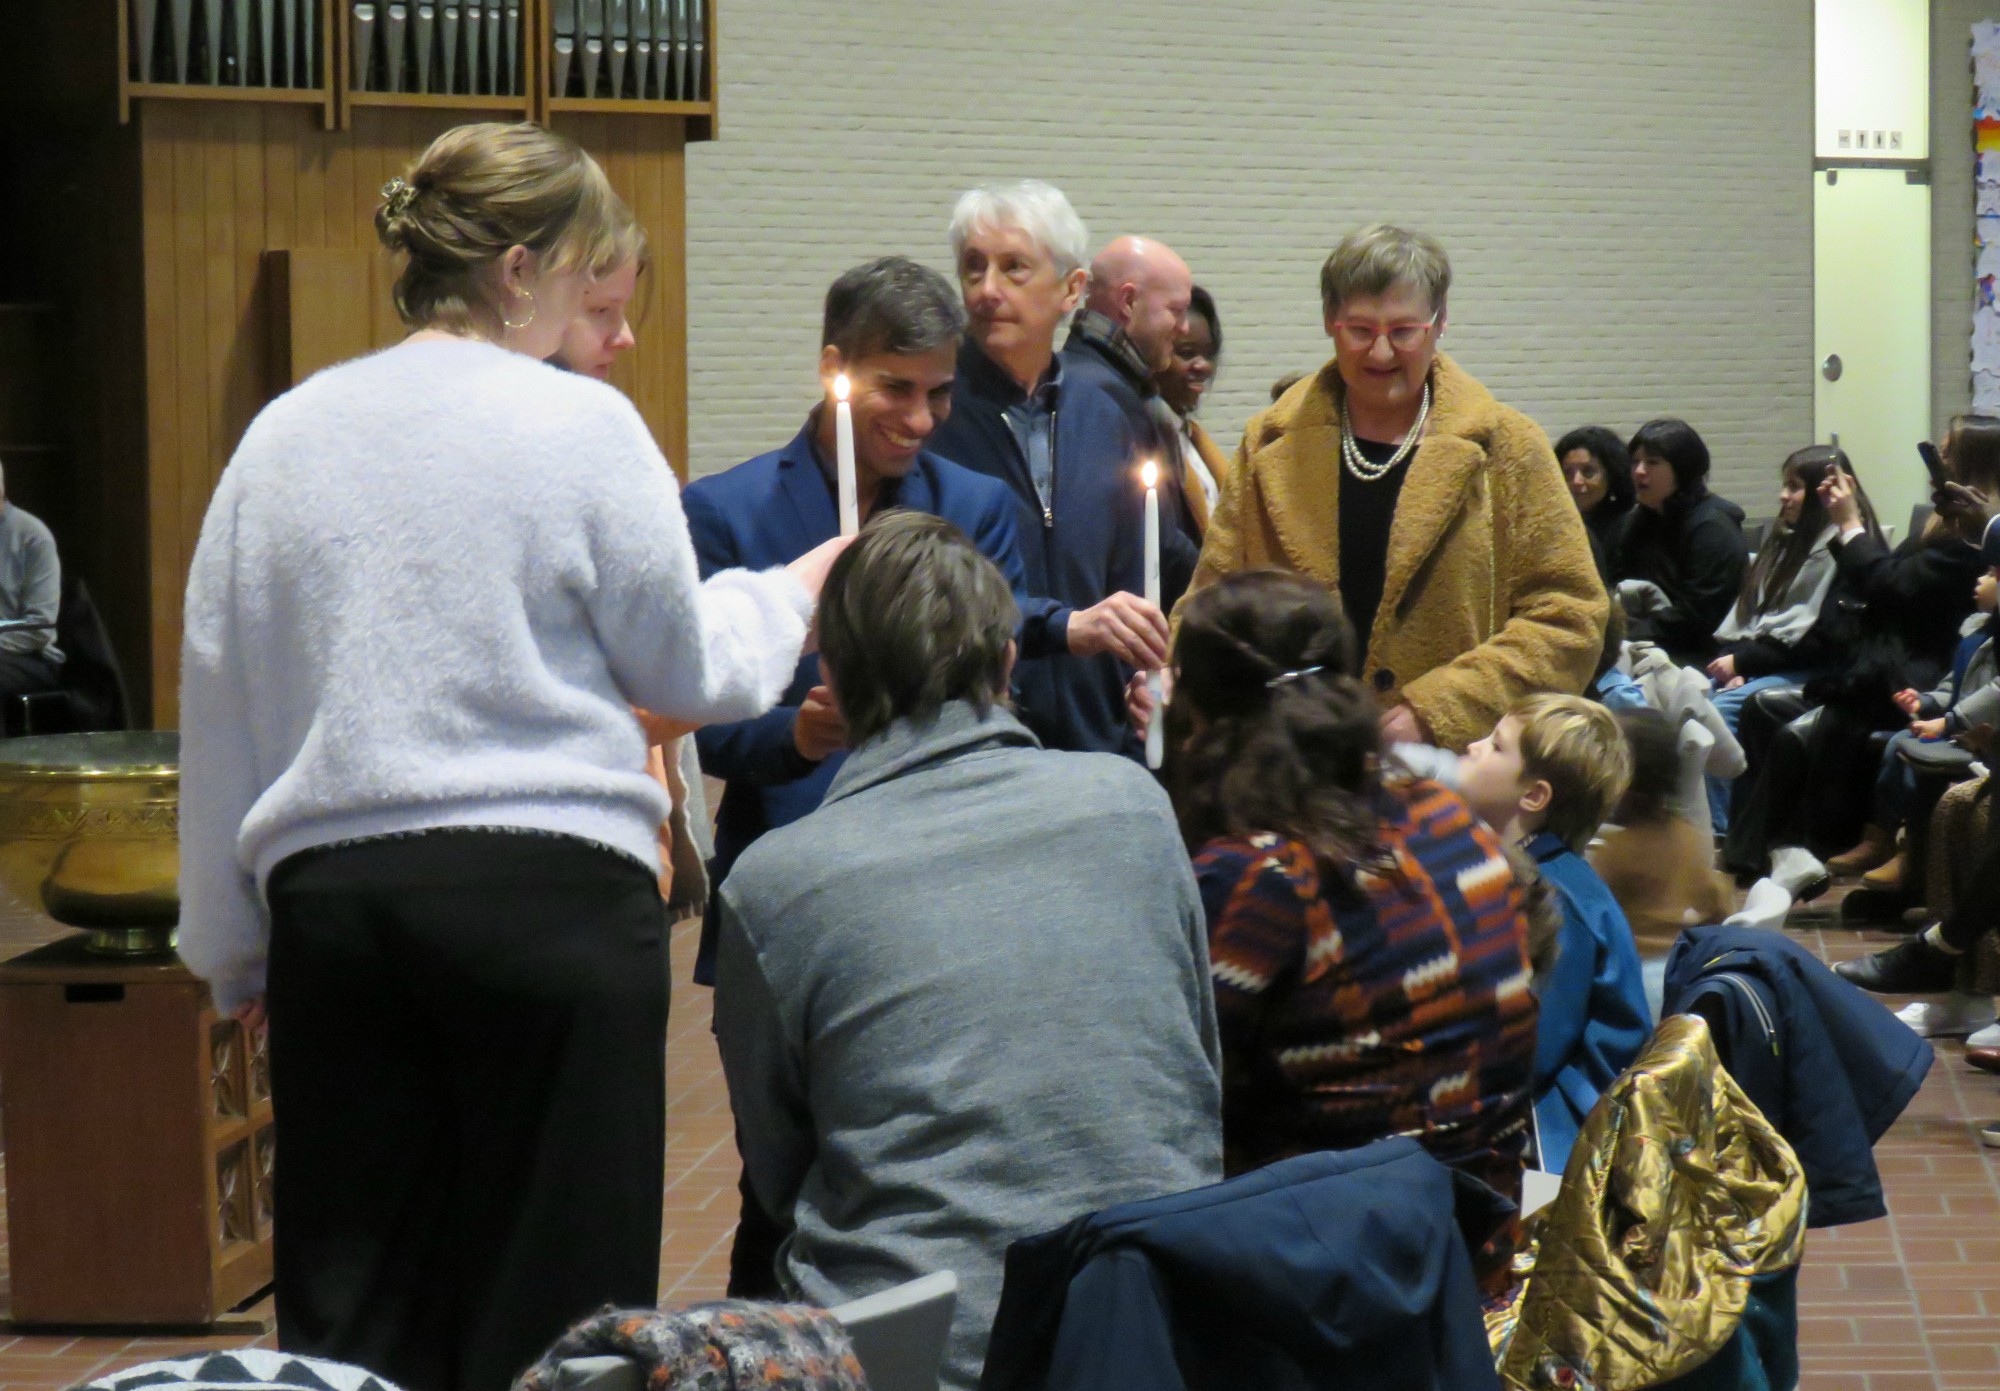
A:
(139, 1143)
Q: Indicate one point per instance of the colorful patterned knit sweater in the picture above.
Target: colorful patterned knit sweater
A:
(1396, 1006)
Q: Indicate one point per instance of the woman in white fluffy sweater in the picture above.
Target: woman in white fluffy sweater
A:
(415, 814)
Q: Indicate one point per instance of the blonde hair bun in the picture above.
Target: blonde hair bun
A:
(479, 191)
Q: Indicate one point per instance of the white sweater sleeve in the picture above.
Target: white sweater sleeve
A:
(711, 652)
(223, 932)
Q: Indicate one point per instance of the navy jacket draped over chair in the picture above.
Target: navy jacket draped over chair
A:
(1340, 1268)
(769, 511)
(1829, 1067)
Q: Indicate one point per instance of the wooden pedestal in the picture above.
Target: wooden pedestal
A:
(138, 1142)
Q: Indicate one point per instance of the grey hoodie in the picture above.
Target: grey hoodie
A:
(963, 1002)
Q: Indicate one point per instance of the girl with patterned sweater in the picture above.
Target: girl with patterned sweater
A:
(1366, 936)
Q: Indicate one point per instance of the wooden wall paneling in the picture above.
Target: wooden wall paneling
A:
(110, 543)
(643, 156)
(224, 183)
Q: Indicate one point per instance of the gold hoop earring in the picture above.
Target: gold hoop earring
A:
(509, 323)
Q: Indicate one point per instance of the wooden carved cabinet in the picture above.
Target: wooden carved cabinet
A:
(139, 1143)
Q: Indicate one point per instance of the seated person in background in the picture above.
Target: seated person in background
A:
(1545, 779)
(1678, 556)
(1599, 474)
(967, 999)
(31, 590)
(1658, 867)
(1183, 382)
(1893, 618)
(1768, 638)
(1968, 698)
(1370, 959)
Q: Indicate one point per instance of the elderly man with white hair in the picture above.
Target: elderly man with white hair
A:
(1071, 452)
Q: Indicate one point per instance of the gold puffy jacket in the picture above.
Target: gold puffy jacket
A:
(1677, 1194)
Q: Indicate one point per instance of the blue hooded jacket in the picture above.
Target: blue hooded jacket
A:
(1593, 1019)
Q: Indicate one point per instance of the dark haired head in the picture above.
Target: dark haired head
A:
(1676, 442)
(891, 305)
(1609, 451)
(1279, 735)
(1782, 552)
(1973, 452)
(913, 617)
(1201, 302)
(1656, 768)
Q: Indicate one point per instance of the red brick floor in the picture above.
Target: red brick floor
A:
(1908, 1303)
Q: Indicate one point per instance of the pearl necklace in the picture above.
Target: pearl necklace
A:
(1360, 465)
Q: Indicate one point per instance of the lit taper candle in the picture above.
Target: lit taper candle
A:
(1156, 728)
(843, 444)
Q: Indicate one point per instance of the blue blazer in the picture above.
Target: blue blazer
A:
(1594, 1018)
(770, 511)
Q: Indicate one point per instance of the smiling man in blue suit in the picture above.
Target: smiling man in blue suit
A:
(892, 326)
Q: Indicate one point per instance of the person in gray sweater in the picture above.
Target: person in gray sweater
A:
(30, 594)
(967, 999)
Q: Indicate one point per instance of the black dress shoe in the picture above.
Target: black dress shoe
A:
(1816, 888)
(1914, 967)
(1865, 907)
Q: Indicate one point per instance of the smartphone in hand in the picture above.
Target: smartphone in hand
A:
(1933, 464)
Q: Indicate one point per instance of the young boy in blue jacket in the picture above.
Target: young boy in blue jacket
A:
(1545, 779)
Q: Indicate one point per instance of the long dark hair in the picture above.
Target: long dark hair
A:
(1271, 730)
(1971, 457)
(1782, 552)
(1611, 456)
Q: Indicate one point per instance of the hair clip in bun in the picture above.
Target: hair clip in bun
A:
(1285, 678)
(397, 195)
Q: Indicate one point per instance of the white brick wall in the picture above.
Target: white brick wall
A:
(1623, 187)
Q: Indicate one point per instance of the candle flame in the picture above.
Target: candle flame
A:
(840, 387)
(1150, 472)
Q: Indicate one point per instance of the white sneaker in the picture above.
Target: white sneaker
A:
(1988, 1037)
(1948, 1016)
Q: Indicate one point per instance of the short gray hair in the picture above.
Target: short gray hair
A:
(1037, 208)
(1375, 259)
(891, 305)
(913, 617)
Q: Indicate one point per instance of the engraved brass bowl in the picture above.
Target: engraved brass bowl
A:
(90, 830)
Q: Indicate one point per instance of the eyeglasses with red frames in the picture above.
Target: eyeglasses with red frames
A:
(1402, 337)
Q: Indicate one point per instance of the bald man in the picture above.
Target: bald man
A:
(1135, 305)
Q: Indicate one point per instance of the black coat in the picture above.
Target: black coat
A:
(1890, 620)
(1693, 549)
